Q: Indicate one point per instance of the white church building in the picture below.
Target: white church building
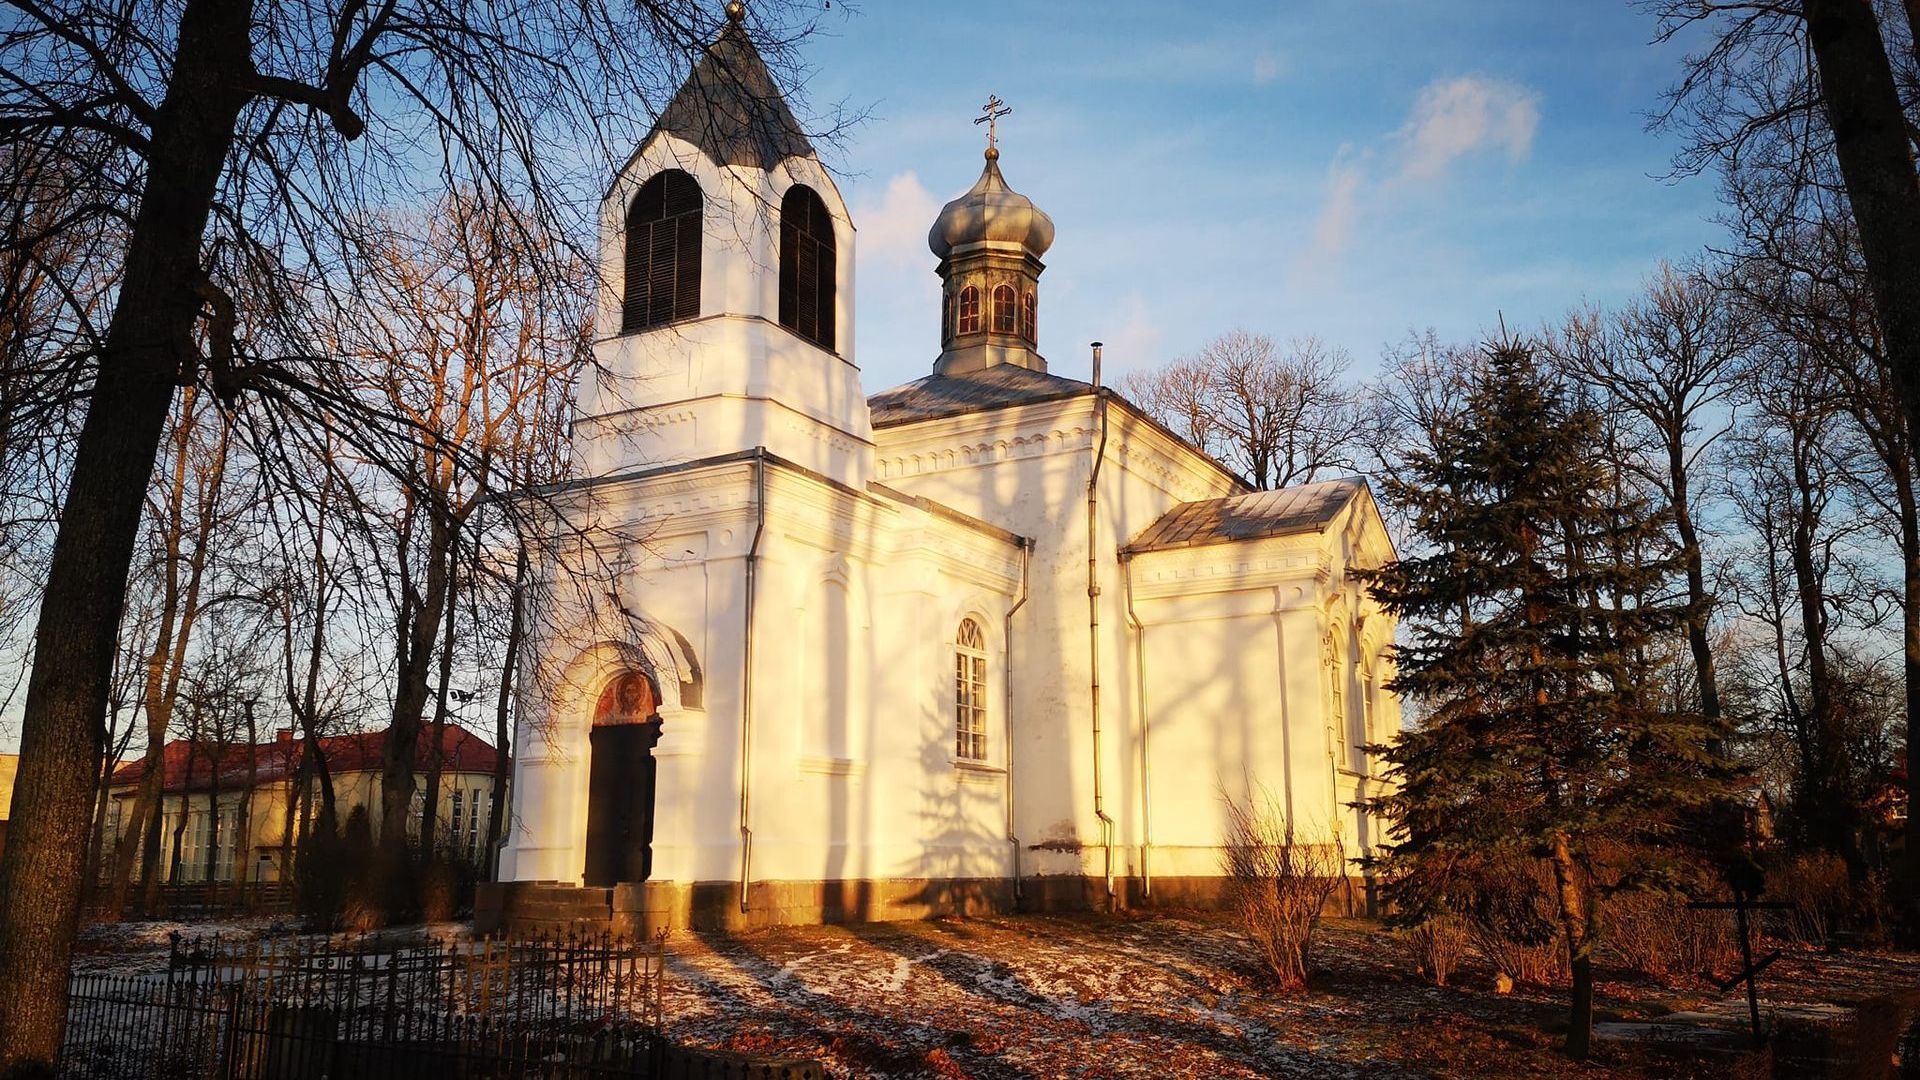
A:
(993, 639)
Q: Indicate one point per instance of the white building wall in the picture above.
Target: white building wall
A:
(851, 772)
(733, 378)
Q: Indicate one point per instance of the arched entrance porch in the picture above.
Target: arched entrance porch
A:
(620, 781)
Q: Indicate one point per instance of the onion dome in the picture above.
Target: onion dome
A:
(991, 213)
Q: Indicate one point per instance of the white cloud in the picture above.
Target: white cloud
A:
(1268, 66)
(1135, 344)
(1453, 118)
(893, 231)
(1335, 224)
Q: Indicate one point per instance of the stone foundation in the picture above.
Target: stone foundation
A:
(647, 908)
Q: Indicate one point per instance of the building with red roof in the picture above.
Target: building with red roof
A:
(255, 787)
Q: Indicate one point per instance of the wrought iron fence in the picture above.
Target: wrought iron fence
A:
(557, 1008)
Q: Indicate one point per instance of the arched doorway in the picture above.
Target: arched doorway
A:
(626, 726)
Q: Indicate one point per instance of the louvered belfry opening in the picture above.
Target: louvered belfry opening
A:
(807, 267)
(663, 253)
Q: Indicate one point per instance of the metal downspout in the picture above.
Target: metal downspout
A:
(1093, 622)
(1140, 695)
(746, 677)
(1026, 559)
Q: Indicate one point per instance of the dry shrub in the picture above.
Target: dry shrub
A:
(1534, 963)
(446, 885)
(439, 892)
(1435, 945)
(1658, 935)
(1278, 885)
(1815, 883)
(1514, 922)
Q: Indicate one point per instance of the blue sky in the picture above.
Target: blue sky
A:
(1352, 170)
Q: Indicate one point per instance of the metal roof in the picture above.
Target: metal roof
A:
(1305, 508)
(976, 391)
(731, 107)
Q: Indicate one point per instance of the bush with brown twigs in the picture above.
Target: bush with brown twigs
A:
(1279, 885)
(1514, 923)
(1816, 884)
(1658, 935)
(1436, 945)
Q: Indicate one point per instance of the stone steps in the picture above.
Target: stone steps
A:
(549, 910)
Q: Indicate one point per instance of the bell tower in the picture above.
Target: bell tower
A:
(989, 242)
(725, 319)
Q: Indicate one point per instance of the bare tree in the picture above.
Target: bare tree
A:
(184, 523)
(243, 140)
(1668, 359)
(1814, 91)
(1790, 472)
(1279, 418)
(471, 353)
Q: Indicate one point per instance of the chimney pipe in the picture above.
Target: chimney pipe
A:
(1096, 365)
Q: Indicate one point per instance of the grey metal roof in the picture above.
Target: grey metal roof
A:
(731, 108)
(1306, 508)
(976, 391)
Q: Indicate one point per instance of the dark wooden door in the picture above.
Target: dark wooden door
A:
(620, 781)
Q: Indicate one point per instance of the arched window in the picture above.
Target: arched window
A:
(806, 266)
(969, 310)
(1003, 309)
(663, 253)
(1029, 318)
(1367, 704)
(1337, 706)
(629, 699)
(970, 692)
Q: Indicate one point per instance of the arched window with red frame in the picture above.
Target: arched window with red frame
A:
(969, 310)
(1003, 309)
(1029, 318)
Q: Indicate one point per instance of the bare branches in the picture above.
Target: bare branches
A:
(1279, 418)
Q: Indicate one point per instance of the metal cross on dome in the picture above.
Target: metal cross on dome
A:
(990, 113)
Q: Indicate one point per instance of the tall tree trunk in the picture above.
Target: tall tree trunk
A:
(103, 777)
(1825, 802)
(161, 681)
(212, 861)
(1870, 142)
(1575, 920)
(429, 820)
(1697, 613)
(417, 635)
(176, 859)
(502, 728)
(1909, 897)
(296, 774)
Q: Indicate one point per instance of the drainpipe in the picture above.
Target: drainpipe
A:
(746, 677)
(1026, 558)
(1093, 622)
(1140, 695)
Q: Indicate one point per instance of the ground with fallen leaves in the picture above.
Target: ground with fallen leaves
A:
(1157, 995)
(1163, 996)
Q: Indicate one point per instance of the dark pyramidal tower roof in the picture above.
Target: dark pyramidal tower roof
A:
(730, 106)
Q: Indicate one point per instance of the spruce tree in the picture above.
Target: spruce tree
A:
(1527, 622)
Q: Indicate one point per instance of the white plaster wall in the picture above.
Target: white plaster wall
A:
(851, 772)
(1026, 469)
(733, 378)
(1235, 682)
